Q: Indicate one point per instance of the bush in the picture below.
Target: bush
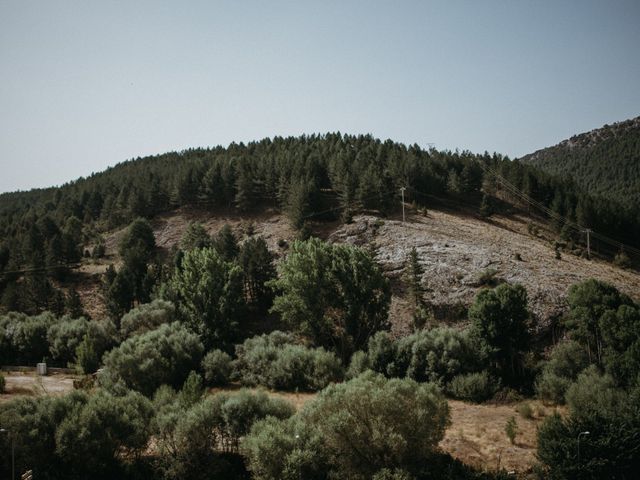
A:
(23, 338)
(217, 368)
(2, 383)
(275, 361)
(487, 278)
(525, 410)
(551, 387)
(64, 337)
(90, 438)
(358, 365)
(474, 387)
(566, 361)
(100, 337)
(147, 317)
(144, 362)
(436, 355)
(611, 417)
(75, 436)
(352, 430)
(511, 429)
(192, 440)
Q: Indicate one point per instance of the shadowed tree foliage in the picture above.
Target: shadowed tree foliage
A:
(208, 293)
(336, 294)
(500, 322)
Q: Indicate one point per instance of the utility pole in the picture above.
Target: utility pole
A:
(588, 230)
(402, 189)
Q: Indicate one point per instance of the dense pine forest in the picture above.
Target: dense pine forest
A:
(309, 178)
(604, 162)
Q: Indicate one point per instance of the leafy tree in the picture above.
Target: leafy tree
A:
(336, 294)
(500, 322)
(589, 301)
(258, 269)
(208, 294)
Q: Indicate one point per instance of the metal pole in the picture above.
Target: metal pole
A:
(402, 189)
(579, 435)
(588, 243)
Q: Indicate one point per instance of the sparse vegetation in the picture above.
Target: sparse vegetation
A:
(511, 429)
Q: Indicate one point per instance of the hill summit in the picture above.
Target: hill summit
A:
(604, 161)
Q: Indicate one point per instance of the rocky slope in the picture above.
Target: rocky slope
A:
(454, 250)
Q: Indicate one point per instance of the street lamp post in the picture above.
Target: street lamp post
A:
(13, 454)
(580, 435)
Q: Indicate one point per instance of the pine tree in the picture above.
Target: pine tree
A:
(226, 244)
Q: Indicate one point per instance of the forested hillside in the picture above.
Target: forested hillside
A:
(604, 162)
(309, 178)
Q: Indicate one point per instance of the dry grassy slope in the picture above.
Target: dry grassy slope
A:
(453, 250)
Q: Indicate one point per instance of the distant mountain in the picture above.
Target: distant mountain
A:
(605, 161)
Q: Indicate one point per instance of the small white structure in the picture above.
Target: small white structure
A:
(41, 368)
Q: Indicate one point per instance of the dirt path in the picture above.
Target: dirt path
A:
(30, 384)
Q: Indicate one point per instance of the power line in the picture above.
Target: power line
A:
(554, 215)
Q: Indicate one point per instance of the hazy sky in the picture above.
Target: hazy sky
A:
(87, 84)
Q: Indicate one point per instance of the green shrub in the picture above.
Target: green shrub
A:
(144, 362)
(275, 361)
(359, 364)
(436, 355)
(146, 317)
(551, 387)
(610, 415)
(395, 474)
(217, 367)
(64, 337)
(511, 429)
(487, 278)
(525, 410)
(191, 440)
(352, 430)
(566, 361)
(622, 260)
(474, 387)
(23, 338)
(100, 337)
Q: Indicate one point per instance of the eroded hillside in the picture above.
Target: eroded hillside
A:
(454, 250)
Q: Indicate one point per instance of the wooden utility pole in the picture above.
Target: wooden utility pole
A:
(588, 230)
(402, 189)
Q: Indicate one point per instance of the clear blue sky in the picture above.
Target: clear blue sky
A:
(87, 84)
